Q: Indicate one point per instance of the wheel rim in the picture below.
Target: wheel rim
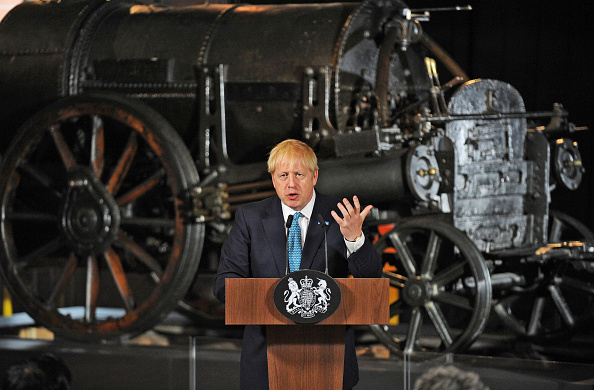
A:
(443, 284)
(560, 298)
(92, 190)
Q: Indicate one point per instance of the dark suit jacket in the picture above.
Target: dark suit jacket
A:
(256, 248)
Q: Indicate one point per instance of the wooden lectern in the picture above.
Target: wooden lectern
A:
(306, 356)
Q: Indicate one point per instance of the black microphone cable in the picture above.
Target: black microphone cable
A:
(288, 226)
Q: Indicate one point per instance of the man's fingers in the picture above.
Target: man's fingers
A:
(349, 211)
(366, 211)
(336, 217)
(356, 202)
(348, 206)
(343, 210)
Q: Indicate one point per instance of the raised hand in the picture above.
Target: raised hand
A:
(352, 219)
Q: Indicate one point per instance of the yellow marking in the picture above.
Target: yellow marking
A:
(6, 303)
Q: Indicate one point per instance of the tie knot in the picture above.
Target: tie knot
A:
(296, 217)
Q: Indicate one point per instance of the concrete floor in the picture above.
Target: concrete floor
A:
(209, 359)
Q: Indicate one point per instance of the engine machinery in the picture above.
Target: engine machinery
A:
(133, 130)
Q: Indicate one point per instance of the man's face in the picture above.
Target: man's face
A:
(294, 183)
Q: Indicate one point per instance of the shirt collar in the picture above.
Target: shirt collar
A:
(306, 211)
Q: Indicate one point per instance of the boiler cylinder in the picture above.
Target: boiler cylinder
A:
(243, 65)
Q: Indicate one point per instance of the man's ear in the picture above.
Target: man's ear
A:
(315, 177)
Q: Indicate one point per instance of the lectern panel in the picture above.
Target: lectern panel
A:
(300, 358)
(306, 356)
(249, 301)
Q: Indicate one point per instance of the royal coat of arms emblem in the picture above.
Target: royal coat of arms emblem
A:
(309, 299)
(307, 296)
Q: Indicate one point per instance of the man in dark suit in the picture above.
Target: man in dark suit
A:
(256, 247)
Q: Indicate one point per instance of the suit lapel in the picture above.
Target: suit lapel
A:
(274, 229)
(315, 236)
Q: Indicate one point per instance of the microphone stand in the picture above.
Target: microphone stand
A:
(288, 226)
(327, 293)
(325, 227)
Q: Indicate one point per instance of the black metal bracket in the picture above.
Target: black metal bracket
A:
(212, 131)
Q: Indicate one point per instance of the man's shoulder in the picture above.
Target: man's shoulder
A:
(268, 204)
(326, 201)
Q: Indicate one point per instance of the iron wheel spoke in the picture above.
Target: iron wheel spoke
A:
(440, 323)
(449, 274)
(148, 222)
(561, 305)
(141, 189)
(123, 165)
(63, 149)
(404, 254)
(92, 289)
(97, 145)
(40, 252)
(33, 216)
(536, 316)
(454, 300)
(119, 277)
(65, 277)
(414, 328)
(431, 255)
(555, 230)
(396, 309)
(140, 253)
(396, 280)
(39, 176)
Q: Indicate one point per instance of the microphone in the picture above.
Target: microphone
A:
(325, 227)
(288, 226)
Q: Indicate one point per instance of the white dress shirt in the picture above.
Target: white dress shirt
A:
(352, 246)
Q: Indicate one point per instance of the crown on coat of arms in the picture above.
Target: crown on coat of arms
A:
(306, 282)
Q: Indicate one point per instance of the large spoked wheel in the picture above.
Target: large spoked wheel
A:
(444, 288)
(95, 243)
(558, 301)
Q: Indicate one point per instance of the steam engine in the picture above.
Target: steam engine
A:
(132, 131)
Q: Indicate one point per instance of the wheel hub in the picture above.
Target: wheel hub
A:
(415, 292)
(90, 216)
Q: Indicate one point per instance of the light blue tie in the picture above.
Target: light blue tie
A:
(295, 243)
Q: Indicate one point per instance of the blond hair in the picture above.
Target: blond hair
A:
(291, 150)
